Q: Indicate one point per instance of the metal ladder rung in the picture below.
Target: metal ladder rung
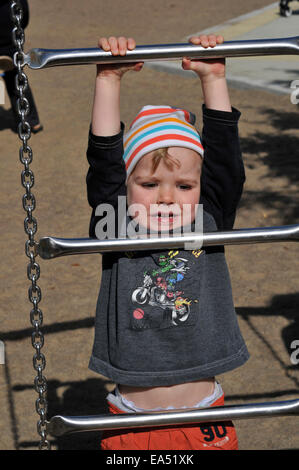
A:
(62, 425)
(42, 58)
(51, 247)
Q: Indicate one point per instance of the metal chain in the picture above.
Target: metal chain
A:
(30, 226)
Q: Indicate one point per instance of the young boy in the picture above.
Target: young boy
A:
(165, 320)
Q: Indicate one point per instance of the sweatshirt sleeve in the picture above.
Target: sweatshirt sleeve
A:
(106, 176)
(223, 174)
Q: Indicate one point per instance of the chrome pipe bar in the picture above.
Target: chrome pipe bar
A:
(42, 58)
(50, 247)
(62, 425)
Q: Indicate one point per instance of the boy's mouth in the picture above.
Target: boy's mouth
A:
(165, 217)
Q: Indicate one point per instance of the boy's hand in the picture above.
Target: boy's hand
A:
(211, 73)
(209, 68)
(117, 46)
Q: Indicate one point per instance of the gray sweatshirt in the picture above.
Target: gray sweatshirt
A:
(167, 317)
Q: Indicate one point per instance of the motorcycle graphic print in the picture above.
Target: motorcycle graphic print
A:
(161, 288)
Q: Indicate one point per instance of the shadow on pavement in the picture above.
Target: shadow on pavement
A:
(88, 397)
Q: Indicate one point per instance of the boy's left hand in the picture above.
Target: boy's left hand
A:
(208, 68)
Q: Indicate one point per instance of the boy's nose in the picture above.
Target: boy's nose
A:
(166, 196)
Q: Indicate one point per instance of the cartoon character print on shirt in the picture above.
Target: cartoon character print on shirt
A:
(161, 288)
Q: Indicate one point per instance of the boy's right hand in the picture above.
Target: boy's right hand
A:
(117, 46)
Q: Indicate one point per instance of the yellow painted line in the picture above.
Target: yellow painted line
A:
(233, 30)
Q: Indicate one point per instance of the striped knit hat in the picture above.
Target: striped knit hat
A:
(156, 127)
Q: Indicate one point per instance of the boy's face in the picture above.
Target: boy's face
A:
(164, 192)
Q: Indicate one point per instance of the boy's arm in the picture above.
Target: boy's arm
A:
(223, 173)
(105, 119)
(106, 103)
(106, 176)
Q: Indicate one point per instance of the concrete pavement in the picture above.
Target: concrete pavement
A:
(273, 73)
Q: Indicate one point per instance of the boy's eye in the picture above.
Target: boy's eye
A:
(148, 185)
(185, 186)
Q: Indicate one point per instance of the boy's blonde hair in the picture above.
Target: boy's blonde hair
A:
(163, 155)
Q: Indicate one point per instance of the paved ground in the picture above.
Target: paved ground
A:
(264, 277)
(273, 73)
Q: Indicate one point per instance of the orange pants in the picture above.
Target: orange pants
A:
(205, 436)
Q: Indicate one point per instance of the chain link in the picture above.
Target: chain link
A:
(30, 226)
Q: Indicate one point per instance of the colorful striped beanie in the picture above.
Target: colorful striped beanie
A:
(159, 126)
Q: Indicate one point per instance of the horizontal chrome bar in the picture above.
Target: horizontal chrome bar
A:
(42, 58)
(50, 247)
(61, 425)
